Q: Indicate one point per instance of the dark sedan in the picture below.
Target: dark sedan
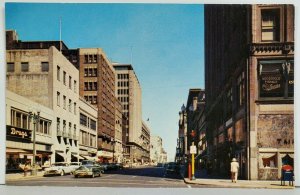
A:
(88, 170)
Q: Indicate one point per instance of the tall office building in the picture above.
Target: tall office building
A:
(128, 91)
(97, 86)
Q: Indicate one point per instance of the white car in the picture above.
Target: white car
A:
(59, 168)
(74, 166)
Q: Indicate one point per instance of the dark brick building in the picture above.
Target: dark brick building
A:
(249, 83)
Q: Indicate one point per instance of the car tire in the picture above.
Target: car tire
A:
(62, 173)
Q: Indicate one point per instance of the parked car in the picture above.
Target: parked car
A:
(88, 170)
(172, 168)
(88, 162)
(59, 168)
(74, 166)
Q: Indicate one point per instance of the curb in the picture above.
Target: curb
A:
(240, 186)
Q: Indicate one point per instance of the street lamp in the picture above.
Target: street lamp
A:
(35, 116)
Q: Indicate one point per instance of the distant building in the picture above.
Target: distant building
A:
(249, 88)
(128, 91)
(118, 143)
(145, 137)
(157, 153)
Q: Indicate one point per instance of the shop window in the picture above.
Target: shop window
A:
(270, 162)
(276, 78)
(270, 25)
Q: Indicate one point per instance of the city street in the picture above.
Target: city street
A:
(144, 177)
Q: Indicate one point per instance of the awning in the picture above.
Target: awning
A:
(88, 157)
(77, 156)
(15, 150)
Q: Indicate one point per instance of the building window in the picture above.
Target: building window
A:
(95, 59)
(85, 58)
(58, 73)
(95, 72)
(95, 86)
(90, 58)
(19, 119)
(83, 119)
(45, 66)
(70, 82)
(58, 124)
(24, 66)
(64, 78)
(64, 125)
(94, 99)
(58, 98)
(229, 103)
(70, 105)
(86, 70)
(10, 67)
(75, 86)
(270, 25)
(74, 108)
(86, 86)
(93, 124)
(241, 89)
(64, 102)
(276, 78)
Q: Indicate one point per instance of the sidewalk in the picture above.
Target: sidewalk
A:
(20, 176)
(204, 179)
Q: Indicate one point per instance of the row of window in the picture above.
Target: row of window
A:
(90, 86)
(123, 91)
(64, 126)
(90, 72)
(10, 67)
(87, 122)
(65, 79)
(123, 84)
(123, 76)
(21, 119)
(90, 59)
(87, 139)
(65, 103)
(123, 99)
(92, 99)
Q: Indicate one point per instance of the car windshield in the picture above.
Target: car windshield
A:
(83, 168)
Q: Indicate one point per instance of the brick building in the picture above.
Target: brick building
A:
(249, 83)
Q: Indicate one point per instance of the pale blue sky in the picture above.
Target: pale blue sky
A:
(167, 42)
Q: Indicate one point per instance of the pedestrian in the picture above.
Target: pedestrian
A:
(234, 168)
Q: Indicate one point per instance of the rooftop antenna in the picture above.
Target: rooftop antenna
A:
(60, 45)
(131, 54)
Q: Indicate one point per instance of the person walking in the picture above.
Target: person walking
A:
(234, 168)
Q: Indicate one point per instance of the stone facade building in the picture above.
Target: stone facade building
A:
(249, 86)
(128, 91)
(19, 132)
(157, 153)
(118, 143)
(145, 137)
(87, 136)
(38, 65)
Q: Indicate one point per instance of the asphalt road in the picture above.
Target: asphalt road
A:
(146, 177)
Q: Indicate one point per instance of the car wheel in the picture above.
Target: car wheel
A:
(62, 173)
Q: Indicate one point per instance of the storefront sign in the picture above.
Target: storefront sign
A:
(18, 132)
(271, 84)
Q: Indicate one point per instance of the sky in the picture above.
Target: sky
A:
(164, 43)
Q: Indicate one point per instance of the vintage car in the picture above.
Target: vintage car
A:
(59, 168)
(74, 166)
(88, 171)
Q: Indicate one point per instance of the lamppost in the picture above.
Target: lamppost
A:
(35, 116)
